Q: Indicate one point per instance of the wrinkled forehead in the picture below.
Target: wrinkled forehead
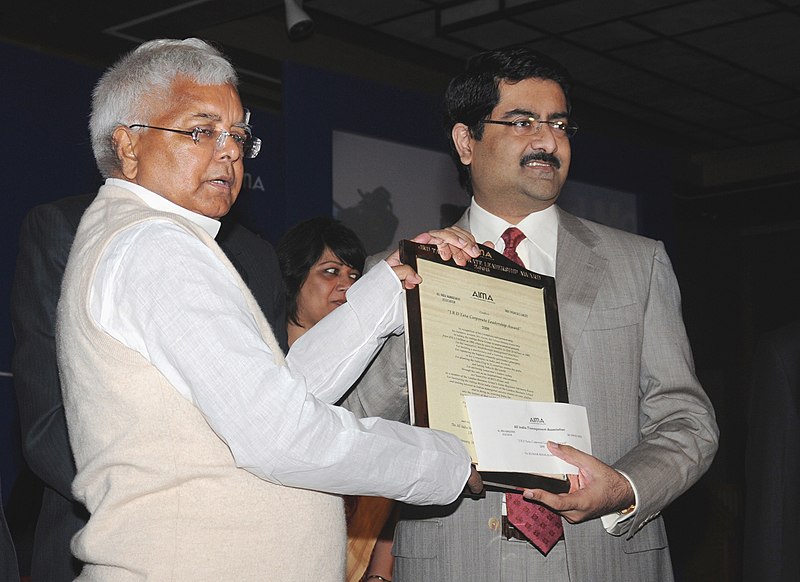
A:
(216, 103)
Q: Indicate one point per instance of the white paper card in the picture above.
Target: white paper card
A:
(512, 435)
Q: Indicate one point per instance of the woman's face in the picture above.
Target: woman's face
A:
(324, 288)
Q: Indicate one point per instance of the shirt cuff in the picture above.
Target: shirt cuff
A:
(619, 522)
(387, 307)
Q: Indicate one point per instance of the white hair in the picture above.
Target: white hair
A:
(126, 91)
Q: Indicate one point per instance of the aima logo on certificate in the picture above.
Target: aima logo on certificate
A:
(481, 295)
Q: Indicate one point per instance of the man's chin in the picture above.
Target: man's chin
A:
(545, 196)
(219, 207)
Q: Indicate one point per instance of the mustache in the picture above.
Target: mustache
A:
(541, 157)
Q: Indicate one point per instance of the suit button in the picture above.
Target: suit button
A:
(494, 524)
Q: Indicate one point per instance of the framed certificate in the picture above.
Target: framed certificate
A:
(489, 328)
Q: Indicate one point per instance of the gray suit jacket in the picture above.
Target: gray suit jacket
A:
(628, 361)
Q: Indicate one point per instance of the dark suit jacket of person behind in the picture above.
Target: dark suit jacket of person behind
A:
(8, 556)
(45, 240)
(772, 459)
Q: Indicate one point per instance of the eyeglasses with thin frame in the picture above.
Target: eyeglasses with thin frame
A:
(248, 145)
(530, 125)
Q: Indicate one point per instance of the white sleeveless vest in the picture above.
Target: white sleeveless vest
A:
(167, 501)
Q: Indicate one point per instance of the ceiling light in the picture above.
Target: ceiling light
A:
(298, 24)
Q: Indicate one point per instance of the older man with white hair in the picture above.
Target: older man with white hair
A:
(202, 452)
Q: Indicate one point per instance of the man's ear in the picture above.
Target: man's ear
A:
(125, 140)
(463, 140)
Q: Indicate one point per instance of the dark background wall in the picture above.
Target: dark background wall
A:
(735, 276)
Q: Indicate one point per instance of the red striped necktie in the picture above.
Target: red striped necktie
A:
(537, 523)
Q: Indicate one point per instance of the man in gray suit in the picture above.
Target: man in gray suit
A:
(626, 353)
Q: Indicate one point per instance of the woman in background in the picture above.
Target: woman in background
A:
(319, 260)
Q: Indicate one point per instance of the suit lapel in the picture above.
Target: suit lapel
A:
(579, 273)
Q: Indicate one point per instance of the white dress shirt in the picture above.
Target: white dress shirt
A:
(538, 253)
(537, 250)
(162, 292)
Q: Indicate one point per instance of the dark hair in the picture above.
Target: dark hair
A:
(472, 95)
(302, 246)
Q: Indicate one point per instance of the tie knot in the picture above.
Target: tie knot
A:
(512, 237)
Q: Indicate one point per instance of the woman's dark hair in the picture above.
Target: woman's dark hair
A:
(472, 95)
(302, 246)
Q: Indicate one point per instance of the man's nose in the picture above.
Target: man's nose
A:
(544, 138)
(226, 146)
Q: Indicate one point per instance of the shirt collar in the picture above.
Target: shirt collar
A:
(158, 202)
(540, 228)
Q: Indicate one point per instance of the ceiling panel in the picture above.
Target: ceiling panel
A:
(559, 17)
(767, 45)
(610, 35)
(712, 114)
(642, 121)
(681, 70)
(420, 28)
(585, 66)
(689, 16)
(416, 27)
(495, 35)
(702, 72)
(367, 12)
(456, 12)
